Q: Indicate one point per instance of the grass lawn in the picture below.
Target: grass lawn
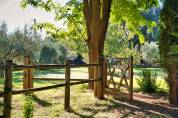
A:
(49, 103)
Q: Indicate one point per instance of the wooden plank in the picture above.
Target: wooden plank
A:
(57, 79)
(52, 66)
(27, 74)
(86, 81)
(8, 89)
(83, 65)
(43, 66)
(15, 92)
(67, 87)
(105, 66)
(131, 78)
(125, 86)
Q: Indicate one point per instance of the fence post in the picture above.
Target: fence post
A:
(8, 89)
(131, 78)
(67, 86)
(100, 84)
(105, 72)
(27, 74)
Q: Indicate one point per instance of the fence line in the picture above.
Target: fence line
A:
(8, 92)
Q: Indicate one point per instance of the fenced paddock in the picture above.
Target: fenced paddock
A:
(28, 78)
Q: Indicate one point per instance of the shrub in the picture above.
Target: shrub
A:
(28, 107)
(150, 52)
(53, 52)
(147, 81)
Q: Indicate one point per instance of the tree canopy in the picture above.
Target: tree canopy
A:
(128, 12)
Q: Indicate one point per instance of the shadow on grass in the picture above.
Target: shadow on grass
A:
(131, 108)
(160, 93)
(82, 115)
(41, 102)
(148, 108)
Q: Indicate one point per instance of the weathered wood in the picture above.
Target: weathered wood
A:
(105, 73)
(43, 66)
(100, 84)
(8, 89)
(24, 91)
(131, 78)
(67, 87)
(125, 74)
(56, 79)
(52, 66)
(172, 81)
(27, 74)
(15, 92)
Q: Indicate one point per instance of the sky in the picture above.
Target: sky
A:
(15, 16)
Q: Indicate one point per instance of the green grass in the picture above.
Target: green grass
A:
(50, 103)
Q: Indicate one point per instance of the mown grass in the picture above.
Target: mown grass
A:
(50, 103)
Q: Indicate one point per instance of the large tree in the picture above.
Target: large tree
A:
(168, 46)
(96, 14)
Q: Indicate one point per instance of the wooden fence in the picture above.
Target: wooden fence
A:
(120, 77)
(28, 81)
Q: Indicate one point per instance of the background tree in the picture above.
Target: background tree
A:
(53, 52)
(150, 53)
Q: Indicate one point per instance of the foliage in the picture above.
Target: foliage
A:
(74, 33)
(131, 13)
(147, 81)
(53, 52)
(18, 43)
(128, 11)
(150, 52)
(168, 39)
(28, 107)
(117, 43)
(48, 55)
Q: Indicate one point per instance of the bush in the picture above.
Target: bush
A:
(53, 52)
(147, 81)
(28, 107)
(150, 52)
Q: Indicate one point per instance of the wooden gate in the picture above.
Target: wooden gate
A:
(120, 77)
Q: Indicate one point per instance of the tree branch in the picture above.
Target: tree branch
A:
(87, 16)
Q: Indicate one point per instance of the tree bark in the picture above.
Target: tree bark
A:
(172, 81)
(167, 40)
(96, 13)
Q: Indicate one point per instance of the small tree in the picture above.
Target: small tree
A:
(150, 52)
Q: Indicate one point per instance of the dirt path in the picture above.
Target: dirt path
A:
(144, 106)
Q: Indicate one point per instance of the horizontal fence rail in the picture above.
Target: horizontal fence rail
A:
(16, 92)
(51, 66)
(56, 79)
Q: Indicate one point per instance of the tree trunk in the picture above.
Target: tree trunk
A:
(96, 15)
(172, 81)
(167, 41)
(93, 58)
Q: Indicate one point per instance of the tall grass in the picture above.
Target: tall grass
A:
(147, 81)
